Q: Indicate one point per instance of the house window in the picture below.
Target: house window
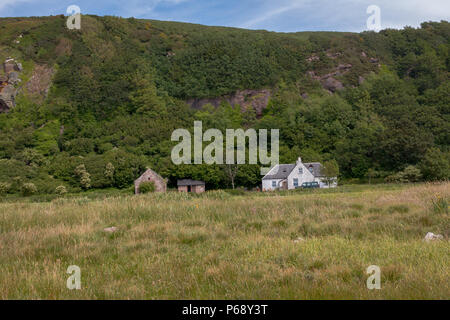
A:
(295, 182)
(311, 169)
(300, 170)
(274, 183)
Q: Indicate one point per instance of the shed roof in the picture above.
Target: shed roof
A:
(189, 182)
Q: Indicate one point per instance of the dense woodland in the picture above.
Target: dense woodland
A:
(119, 88)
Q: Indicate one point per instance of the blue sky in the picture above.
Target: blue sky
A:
(274, 15)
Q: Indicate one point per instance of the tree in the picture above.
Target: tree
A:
(371, 173)
(331, 171)
(4, 187)
(60, 190)
(32, 157)
(231, 171)
(435, 165)
(411, 174)
(28, 189)
(85, 177)
(109, 172)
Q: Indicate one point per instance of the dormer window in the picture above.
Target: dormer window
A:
(311, 169)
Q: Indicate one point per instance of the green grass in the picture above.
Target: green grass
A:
(219, 246)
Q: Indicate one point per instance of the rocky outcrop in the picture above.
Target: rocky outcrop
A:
(8, 79)
(256, 99)
(40, 82)
(37, 87)
(329, 81)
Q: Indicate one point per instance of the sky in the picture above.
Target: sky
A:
(274, 15)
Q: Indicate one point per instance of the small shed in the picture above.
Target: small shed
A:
(188, 185)
(150, 175)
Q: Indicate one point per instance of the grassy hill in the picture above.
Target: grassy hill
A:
(112, 93)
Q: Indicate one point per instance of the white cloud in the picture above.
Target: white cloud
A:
(6, 3)
(349, 15)
(273, 12)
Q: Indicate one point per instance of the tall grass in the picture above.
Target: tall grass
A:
(219, 246)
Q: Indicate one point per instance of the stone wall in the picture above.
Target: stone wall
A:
(150, 175)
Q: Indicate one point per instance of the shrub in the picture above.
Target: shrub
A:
(4, 187)
(410, 174)
(85, 177)
(28, 189)
(147, 187)
(61, 190)
(435, 165)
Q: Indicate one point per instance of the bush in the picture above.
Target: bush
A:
(61, 190)
(435, 165)
(4, 187)
(28, 189)
(147, 187)
(410, 174)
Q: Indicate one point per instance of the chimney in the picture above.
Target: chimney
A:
(299, 160)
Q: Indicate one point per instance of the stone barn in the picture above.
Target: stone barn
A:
(150, 175)
(188, 185)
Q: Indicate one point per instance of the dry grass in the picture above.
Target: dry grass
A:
(242, 247)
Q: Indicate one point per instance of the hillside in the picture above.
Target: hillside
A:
(113, 92)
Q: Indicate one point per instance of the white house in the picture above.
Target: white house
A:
(292, 176)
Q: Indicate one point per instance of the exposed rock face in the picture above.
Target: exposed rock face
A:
(8, 79)
(328, 81)
(332, 84)
(256, 99)
(37, 87)
(40, 81)
(7, 95)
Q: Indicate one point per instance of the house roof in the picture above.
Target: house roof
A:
(316, 166)
(189, 182)
(284, 170)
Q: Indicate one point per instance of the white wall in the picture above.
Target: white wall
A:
(307, 176)
(267, 184)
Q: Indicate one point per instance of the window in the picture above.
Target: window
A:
(295, 182)
(300, 170)
(311, 169)
(274, 183)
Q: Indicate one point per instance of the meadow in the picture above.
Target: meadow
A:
(292, 245)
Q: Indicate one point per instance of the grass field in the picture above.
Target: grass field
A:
(218, 246)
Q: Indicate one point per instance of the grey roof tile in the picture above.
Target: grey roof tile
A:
(284, 170)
